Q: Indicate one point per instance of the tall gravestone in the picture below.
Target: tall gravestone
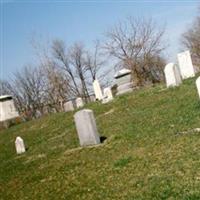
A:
(198, 85)
(172, 75)
(107, 95)
(19, 145)
(86, 127)
(97, 90)
(185, 64)
(124, 82)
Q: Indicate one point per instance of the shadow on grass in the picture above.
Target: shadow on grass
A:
(102, 139)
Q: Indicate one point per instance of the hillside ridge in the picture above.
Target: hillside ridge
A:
(143, 156)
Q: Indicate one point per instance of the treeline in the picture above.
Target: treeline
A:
(191, 40)
(65, 72)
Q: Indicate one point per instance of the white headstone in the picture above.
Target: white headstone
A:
(107, 95)
(172, 75)
(198, 85)
(86, 127)
(79, 102)
(68, 106)
(97, 90)
(185, 64)
(7, 108)
(19, 145)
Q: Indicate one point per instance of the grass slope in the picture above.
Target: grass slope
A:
(143, 156)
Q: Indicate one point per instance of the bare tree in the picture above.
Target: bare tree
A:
(94, 61)
(137, 45)
(56, 73)
(29, 90)
(61, 54)
(4, 87)
(7, 88)
(57, 87)
(38, 89)
(191, 40)
(78, 61)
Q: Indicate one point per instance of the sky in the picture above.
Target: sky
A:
(86, 21)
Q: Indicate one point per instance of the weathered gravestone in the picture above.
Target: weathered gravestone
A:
(124, 82)
(7, 108)
(172, 75)
(92, 97)
(107, 95)
(185, 64)
(68, 106)
(19, 145)
(79, 102)
(198, 85)
(38, 114)
(86, 127)
(97, 90)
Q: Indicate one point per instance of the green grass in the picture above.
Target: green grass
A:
(143, 157)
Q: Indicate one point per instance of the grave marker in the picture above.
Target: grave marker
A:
(124, 82)
(97, 90)
(86, 127)
(107, 95)
(185, 64)
(7, 108)
(172, 75)
(68, 106)
(79, 102)
(198, 85)
(19, 145)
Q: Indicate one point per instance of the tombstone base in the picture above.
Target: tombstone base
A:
(124, 91)
(106, 100)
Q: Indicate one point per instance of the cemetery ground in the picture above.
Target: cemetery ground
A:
(151, 151)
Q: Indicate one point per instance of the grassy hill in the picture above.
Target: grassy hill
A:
(148, 153)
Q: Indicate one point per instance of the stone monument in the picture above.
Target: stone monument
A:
(19, 145)
(97, 90)
(79, 102)
(124, 82)
(198, 85)
(172, 75)
(187, 69)
(107, 95)
(7, 108)
(68, 106)
(86, 127)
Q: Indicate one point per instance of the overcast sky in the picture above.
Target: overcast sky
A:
(81, 21)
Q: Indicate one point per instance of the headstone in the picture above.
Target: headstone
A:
(79, 102)
(185, 64)
(198, 85)
(107, 95)
(86, 127)
(92, 97)
(68, 106)
(7, 108)
(172, 75)
(19, 145)
(97, 90)
(38, 114)
(124, 82)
